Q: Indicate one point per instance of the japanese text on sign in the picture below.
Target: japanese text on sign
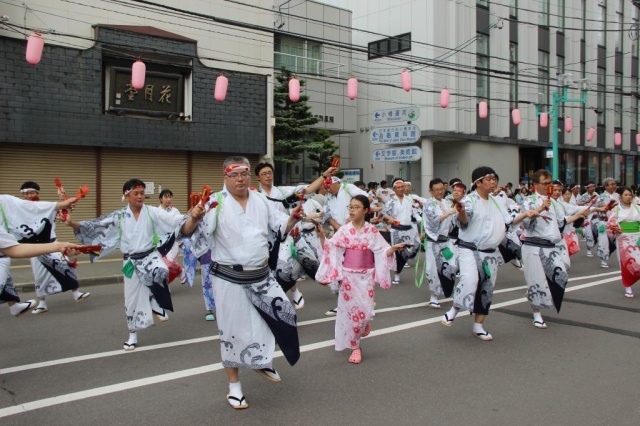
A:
(405, 153)
(395, 115)
(406, 133)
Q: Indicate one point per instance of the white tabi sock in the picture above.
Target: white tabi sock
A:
(42, 303)
(76, 293)
(235, 389)
(396, 277)
(433, 299)
(133, 339)
(537, 316)
(478, 328)
(296, 294)
(451, 313)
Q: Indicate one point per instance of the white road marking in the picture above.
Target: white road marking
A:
(119, 387)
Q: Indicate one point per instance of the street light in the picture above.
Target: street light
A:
(558, 97)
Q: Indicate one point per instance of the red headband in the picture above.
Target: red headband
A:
(236, 168)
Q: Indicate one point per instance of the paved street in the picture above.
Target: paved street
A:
(67, 366)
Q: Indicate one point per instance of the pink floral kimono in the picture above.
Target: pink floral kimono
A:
(357, 260)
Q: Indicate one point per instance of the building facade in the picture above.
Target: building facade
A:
(509, 54)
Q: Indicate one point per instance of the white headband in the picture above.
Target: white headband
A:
(24, 191)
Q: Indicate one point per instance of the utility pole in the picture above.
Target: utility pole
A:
(557, 98)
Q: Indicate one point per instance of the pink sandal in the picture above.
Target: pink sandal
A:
(356, 356)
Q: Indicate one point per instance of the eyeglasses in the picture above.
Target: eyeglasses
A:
(236, 176)
(545, 184)
(266, 174)
(352, 208)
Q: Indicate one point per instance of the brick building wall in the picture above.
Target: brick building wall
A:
(60, 101)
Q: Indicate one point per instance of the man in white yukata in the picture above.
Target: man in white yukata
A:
(606, 244)
(482, 229)
(285, 267)
(545, 270)
(52, 273)
(582, 200)
(441, 262)
(398, 211)
(144, 234)
(24, 220)
(253, 311)
(339, 195)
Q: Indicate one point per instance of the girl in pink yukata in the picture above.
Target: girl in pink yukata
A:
(357, 256)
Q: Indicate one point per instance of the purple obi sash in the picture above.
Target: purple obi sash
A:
(358, 259)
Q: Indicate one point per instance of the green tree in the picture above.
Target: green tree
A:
(293, 124)
(321, 149)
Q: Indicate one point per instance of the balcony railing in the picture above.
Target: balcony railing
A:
(310, 66)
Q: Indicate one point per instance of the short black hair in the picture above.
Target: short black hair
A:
(261, 166)
(434, 182)
(30, 185)
(383, 182)
(132, 183)
(165, 192)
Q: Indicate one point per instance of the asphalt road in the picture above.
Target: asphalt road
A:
(67, 366)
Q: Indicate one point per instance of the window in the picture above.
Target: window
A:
(543, 13)
(513, 7)
(634, 107)
(390, 46)
(584, 19)
(619, 25)
(601, 14)
(543, 76)
(617, 105)
(561, 70)
(298, 55)
(634, 28)
(561, 15)
(602, 96)
(482, 67)
(483, 3)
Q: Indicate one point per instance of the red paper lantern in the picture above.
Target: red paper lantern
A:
(568, 124)
(515, 116)
(544, 119)
(591, 133)
(405, 78)
(138, 71)
(294, 89)
(637, 139)
(444, 98)
(220, 92)
(617, 139)
(35, 45)
(352, 88)
(483, 109)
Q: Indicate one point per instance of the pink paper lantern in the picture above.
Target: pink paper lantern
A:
(579, 158)
(138, 71)
(617, 139)
(544, 119)
(591, 133)
(352, 88)
(568, 124)
(595, 160)
(294, 89)
(405, 78)
(637, 139)
(515, 116)
(444, 98)
(220, 92)
(35, 45)
(483, 109)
